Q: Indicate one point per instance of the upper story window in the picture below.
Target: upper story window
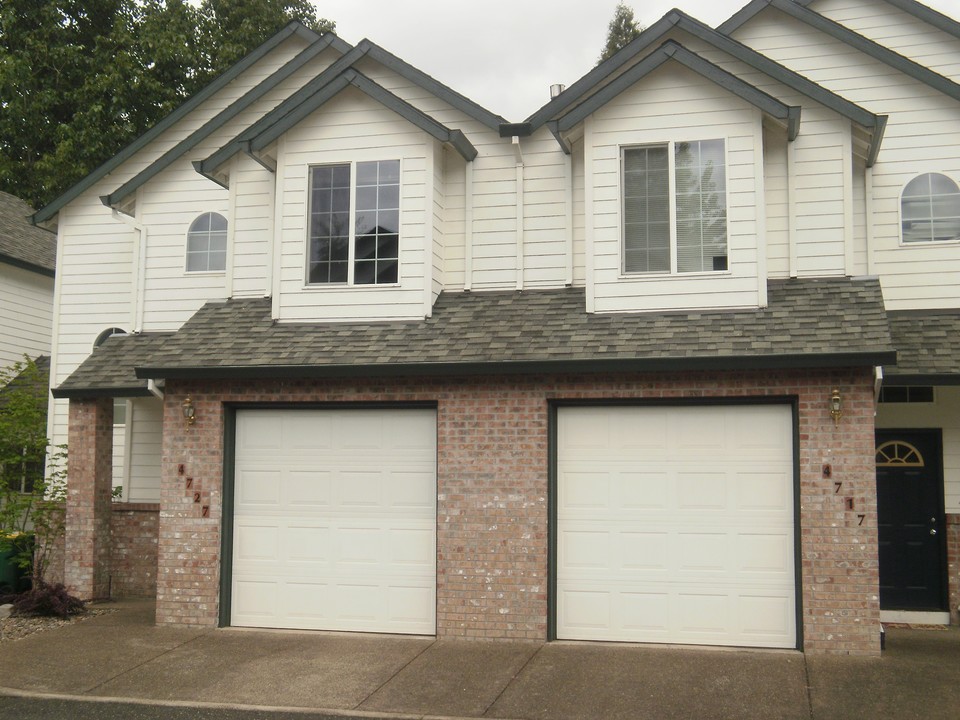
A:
(675, 207)
(354, 223)
(930, 209)
(207, 243)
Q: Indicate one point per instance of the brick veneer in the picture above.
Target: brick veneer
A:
(492, 448)
(134, 530)
(133, 551)
(87, 534)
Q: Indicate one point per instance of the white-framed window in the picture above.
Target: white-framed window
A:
(930, 209)
(675, 207)
(207, 243)
(354, 225)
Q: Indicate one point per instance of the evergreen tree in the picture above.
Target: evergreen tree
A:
(621, 30)
(80, 79)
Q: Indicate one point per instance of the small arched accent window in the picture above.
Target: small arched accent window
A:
(207, 243)
(108, 333)
(897, 453)
(930, 209)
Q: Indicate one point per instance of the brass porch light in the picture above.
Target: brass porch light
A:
(836, 406)
(189, 413)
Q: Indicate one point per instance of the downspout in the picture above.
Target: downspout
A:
(140, 261)
(155, 389)
(868, 211)
(848, 249)
(568, 220)
(519, 158)
(468, 227)
(272, 288)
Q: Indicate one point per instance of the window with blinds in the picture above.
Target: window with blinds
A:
(675, 207)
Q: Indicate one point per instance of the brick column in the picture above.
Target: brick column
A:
(89, 483)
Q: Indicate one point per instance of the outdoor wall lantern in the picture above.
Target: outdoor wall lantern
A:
(189, 414)
(836, 406)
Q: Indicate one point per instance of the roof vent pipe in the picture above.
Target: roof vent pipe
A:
(556, 90)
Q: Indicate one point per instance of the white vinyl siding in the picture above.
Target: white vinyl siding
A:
(26, 314)
(900, 31)
(676, 525)
(145, 437)
(335, 520)
(943, 413)
(646, 114)
(920, 137)
(353, 128)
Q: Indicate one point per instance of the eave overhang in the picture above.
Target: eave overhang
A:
(325, 41)
(789, 115)
(846, 35)
(51, 209)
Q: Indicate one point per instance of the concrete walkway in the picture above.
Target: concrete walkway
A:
(123, 655)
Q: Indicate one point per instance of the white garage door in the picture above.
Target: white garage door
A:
(335, 520)
(676, 525)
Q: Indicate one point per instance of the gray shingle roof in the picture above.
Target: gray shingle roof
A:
(110, 369)
(22, 243)
(928, 346)
(809, 323)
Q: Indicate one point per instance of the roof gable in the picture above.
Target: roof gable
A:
(607, 71)
(670, 50)
(918, 10)
(224, 116)
(293, 28)
(846, 35)
(21, 244)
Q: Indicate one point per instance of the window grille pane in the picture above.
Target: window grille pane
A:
(329, 245)
(207, 243)
(646, 210)
(376, 253)
(700, 174)
(930, 209)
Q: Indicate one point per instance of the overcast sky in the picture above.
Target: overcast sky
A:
(505, 54)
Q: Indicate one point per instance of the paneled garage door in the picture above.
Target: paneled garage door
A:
(335, 520)
(676, 525)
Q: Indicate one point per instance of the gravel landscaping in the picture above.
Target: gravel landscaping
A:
(16, 628)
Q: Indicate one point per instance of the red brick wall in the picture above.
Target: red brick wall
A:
(87, 539)
(492, 495)
(133, 552)
(953, 566)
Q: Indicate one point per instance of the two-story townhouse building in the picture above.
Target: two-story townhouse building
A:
(391, 363)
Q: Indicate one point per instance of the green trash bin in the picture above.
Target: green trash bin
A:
(13, 578)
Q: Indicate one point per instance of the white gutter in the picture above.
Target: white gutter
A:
(155, 389)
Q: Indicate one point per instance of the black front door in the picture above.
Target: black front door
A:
(911, 520)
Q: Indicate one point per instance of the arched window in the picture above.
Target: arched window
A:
(930, 209)
(207, 243)
(108, 333)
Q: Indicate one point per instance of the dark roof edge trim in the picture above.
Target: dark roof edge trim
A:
(224, 116)
(920, 11)
(221, 81)
(671, 50)
(853, 39)
(29, 266)
(77, 393)
(891, 377)
(377, 92)
(751, 362)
